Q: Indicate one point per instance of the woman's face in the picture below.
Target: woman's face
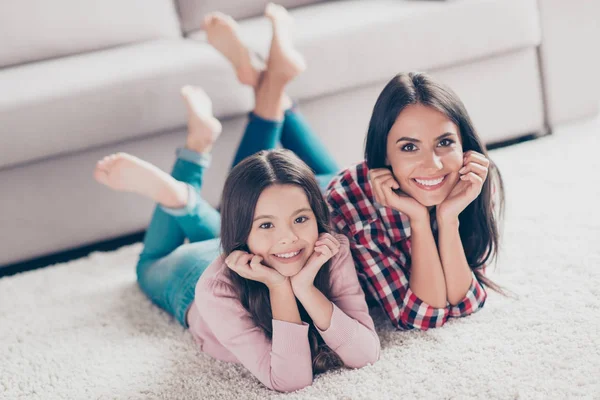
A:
(284, 229)
(425, 153)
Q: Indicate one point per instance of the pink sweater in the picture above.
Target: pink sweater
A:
(225, 330)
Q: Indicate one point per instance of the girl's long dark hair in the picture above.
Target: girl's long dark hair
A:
(479, 230)
(243, 187)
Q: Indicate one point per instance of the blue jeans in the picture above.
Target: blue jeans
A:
(168, 269)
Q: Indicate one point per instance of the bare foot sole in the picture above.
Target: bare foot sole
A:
(284, 60)
(222, 32)
(126, 173)
(203, 127)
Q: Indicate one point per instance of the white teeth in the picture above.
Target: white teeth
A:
(288, 255)
(430, 183)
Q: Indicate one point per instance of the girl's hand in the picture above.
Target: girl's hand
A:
(384, 184)
(473, 174)
(250, 266)
(326, 247)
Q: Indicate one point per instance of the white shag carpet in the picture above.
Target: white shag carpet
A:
(83, 329)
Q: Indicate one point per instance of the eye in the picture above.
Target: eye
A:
(409, 147)
(300, 220)
(266, 225)
(446, 142)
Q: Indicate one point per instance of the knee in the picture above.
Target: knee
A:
(141, 270)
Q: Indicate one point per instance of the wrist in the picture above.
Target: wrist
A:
(304, 291)
(424, 222)
(279, 285)
(450, 221)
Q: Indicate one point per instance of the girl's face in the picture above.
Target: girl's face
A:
(425, 152)
(284, 230)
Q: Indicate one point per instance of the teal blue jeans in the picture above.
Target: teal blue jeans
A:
(168, 268)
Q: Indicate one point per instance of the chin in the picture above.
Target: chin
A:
(289, 270)
(428, 201)
(288, 273)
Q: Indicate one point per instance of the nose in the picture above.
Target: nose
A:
(433, 162)
(288, 237)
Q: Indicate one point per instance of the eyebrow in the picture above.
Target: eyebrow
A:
(409, 139)
(305, 209)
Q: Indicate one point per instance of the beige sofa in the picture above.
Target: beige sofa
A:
(79, 80)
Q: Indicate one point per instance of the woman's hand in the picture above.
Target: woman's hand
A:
(326, 247)
(384, 184)
(473, 174)
(250, 266)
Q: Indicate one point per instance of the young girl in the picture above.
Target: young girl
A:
(419, 211)
(283, 299)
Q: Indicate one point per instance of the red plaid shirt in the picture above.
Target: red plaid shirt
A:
(380, 243)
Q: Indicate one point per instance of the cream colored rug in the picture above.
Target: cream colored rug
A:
(83, 330)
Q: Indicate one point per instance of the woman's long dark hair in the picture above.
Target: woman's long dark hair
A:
(478, 228)
(243, 187)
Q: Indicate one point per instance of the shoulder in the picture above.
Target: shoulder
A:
(350, 199)
(350, 181)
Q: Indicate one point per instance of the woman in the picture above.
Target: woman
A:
(419, 210)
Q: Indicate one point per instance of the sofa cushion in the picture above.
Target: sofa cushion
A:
(34, 30)
(192, 12)
(82, 101)
(353, 43)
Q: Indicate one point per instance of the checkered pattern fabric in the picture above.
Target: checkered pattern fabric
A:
(380, 243)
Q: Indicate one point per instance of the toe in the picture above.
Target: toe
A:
(101, 176)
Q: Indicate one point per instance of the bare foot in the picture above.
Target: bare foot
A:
(203, 128)
(222, 32)
(284, 60)
(126, 173)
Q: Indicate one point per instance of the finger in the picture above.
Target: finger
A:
(240, 269)
(473, 156)
(388, 193)
(383, 177)
(374, 173)
(476, 185)
(473, 178)
(479, 169)
(255, 260)
(333, 239)
(391, 182)
(235, 256)
(229, 261)
(244, 271)
(324, 251)
(379, 198)
(327, 242)
(244, 259)
(396, 201)
(330, 237)
(382, 181)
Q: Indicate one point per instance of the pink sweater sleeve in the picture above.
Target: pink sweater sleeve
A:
(283, 363)
(352, 332)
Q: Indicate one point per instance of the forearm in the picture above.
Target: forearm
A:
(317, 306)
(454, 261)
(283, 303)
(427, 276)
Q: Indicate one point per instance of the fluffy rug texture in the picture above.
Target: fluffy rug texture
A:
(84, 330)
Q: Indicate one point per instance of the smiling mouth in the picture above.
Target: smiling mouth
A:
(289, 256)
(430, 184)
